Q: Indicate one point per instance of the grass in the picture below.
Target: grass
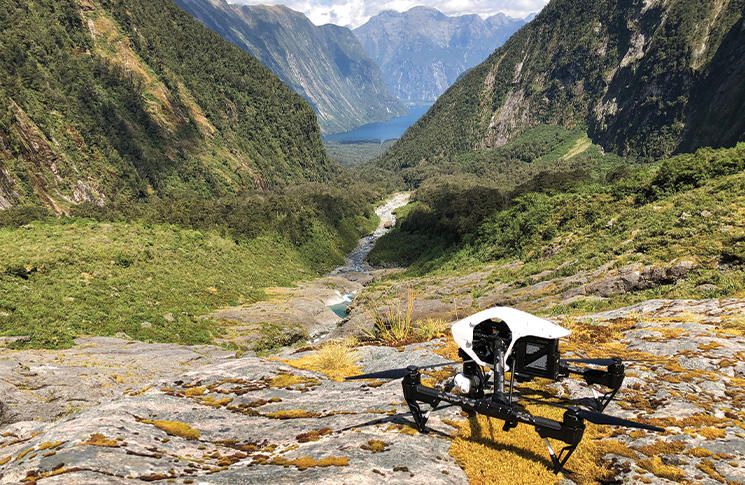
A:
(59, 280)
(335, 358)
(393, 319)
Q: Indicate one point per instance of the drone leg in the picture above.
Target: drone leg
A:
(420, 418)
(605, 399)
(560, 460)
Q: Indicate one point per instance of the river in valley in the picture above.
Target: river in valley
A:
(355, 261)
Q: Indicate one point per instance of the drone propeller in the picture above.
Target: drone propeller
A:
(607, 362)
(601, 418)
(591, 361)
(399, 373)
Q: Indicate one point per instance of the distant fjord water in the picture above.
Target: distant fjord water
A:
(386, 130)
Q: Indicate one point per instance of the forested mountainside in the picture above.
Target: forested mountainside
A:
(421, 52)
(644, 78)
(326, 64)
(106, 99)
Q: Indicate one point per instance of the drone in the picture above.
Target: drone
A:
(502, 339)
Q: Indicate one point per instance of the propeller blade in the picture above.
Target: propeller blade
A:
(600, 418)
(386, 374)
(605, 362)
(399, 373)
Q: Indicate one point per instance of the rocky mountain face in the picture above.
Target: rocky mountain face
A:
(102, 100)
(422, 51)
(326, 65)
(647, 79)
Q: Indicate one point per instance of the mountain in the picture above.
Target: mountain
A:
(422, 52)
(106, 99)
(326, 65)
(645, 78)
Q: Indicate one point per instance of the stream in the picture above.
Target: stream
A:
(354, 262)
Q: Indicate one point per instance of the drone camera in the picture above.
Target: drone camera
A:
(537, 357)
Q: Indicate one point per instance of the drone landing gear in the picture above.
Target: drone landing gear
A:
(563, 456)
(570, 430)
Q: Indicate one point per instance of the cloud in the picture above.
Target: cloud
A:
(353, 13)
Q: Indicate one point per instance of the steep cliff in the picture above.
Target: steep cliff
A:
(646, 79)
(326, 65)
(422, 51)
(123, 98)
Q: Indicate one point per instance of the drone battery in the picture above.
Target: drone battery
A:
(537, 357)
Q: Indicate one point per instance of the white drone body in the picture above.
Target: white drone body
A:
(520, 324)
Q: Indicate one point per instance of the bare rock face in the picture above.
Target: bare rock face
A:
(244, 421)
(44, 385)
(306, 306)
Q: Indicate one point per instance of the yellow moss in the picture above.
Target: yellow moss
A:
(403, 429)
(708, 467)
(699, 452)
(49, 445)
(710, 346)
(5, 460)
(658, 468)
(195, 391)
(660, 447)
(97, 439)
(175, 428)
(615, 447)
(711, 433)
(375, 446)
(306, 462)
(312, 435)
(210, 401)
(287, 380)
(293, 414)
(24, 453)
(334, 461)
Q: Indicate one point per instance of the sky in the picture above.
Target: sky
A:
(353, 13)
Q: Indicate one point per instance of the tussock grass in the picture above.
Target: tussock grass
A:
(336, 359)
(393, 319)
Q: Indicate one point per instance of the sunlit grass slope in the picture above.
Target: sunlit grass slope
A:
(62, 279)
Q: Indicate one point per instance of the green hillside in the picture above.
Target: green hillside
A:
(643, 79)
(125, 98)
(686, 207)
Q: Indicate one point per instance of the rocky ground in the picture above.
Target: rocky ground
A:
(260, 420)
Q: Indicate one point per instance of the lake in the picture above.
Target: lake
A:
(385, 130)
